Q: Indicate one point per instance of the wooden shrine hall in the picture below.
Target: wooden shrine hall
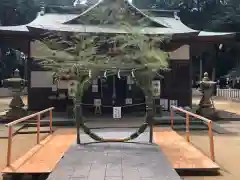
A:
(175, 87)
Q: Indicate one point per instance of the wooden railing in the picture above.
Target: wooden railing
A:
(188, 115)
(11, 124)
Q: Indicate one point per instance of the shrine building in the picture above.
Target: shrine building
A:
(176, 84)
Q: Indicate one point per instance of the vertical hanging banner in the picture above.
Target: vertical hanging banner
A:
(72, 87)
(164, 103)
(129, 80)
(156, 86)
(94, 88)
(95, 85)
(54, 87)
(117, 112)
(97, 102)
(128, 101)
(173, 103)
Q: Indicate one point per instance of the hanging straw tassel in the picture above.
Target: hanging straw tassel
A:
(119, 77)
(132, 73)
(105, 74)
(89, 73)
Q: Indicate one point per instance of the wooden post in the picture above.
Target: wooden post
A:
(9, 150)
(50, 121)
(187, 128)
(38, 128)
(172, 116)
(210, 134)
(77, 119)
(151, 132)
(149, 117)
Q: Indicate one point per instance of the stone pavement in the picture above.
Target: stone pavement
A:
(114, 161)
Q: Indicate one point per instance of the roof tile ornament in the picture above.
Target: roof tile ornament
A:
(42, 10)
(80, 3)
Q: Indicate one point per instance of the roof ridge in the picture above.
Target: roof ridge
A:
(125, 1)
(86, 11)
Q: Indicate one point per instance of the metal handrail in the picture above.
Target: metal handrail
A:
(188, 114)
(11, 124)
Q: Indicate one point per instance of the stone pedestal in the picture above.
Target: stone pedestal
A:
(207, 112)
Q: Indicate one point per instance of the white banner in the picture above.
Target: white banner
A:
(97, 102)
(156, 85)
(129, 80)
(95, 82)
(94, 88)
(72, 87)
(164, 103)
(128, 101)
(117, 113)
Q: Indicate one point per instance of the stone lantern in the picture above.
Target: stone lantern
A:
(16, 84)
(206, 106)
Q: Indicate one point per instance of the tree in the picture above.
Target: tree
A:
(89, 56)
(17, 12)
(212, 15)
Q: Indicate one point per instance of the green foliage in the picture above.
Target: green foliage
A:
(132, 51)
(106, 52)
(212, 15)
(98, 53)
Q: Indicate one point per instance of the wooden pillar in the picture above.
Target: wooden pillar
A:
(78, 117)
(149, 109)
(200, 68)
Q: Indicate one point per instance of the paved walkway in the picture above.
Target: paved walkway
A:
(114, 161)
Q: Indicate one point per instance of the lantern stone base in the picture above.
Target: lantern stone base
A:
(208, 112)
(15, 113)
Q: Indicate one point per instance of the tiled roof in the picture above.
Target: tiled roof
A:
(169, 23)
(20, 28)
(52, 19)
(41, 20)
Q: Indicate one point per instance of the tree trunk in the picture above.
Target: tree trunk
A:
(149, 108)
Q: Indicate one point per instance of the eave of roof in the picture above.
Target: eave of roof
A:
(218, 34)
(174, 23)
(41, 19)
(52, 19)
(106, 29)
(20, 28)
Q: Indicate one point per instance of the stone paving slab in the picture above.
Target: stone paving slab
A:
(114, 161)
